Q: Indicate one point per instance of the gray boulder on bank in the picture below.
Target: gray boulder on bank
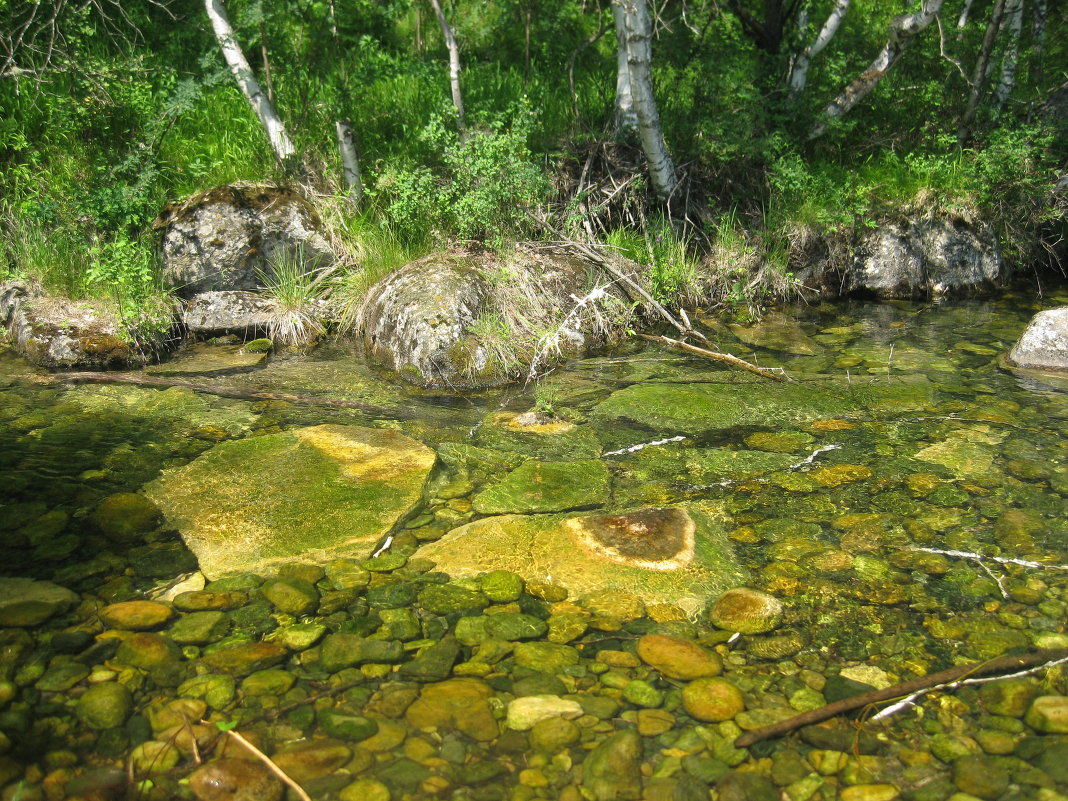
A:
(56, 332)
(465, 319)
(245, 314)
(928, 257)
(224, 238)
(1044, 343)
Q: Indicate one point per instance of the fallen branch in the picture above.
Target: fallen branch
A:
(902, 690)
(271, 766)
(978, 557)
(208, 389)
(775, 374)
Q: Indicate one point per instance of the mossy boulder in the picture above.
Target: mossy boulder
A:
(739, 401)
(315, 493)
(547, 487)
(672, 555)
(126, 516)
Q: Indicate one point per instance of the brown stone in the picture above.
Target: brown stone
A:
(234, 780)
(135, 615)
(712, 700)
(312, 759)
(678, 659)
(657, 539)
(240, 660)
(461, 704)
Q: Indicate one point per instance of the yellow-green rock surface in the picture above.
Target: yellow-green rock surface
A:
(311, 494)
(671, 555)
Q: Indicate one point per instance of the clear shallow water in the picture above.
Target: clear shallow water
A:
(829, 511)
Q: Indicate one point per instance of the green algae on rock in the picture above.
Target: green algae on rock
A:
(313, 493)
(676, 555)
(739, 401)
(547, 487)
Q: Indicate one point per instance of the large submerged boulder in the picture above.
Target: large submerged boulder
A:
(1044, 343)
(57, 332)
(311, 494)
(467, 319)
(225, 238)
(674, 555)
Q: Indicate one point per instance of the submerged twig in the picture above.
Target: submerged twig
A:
(978, 557)
(774, 373)
(277, 771)
(903, 690)
(643, 445)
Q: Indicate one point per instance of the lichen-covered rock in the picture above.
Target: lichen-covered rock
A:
(313, 493)
(244, 314)
(224, 238)
(1044, 343)
(427, 321)
(56, 332)
(930, 256)
(678, 555)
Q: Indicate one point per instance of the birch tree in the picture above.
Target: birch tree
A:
(799, 71)
(902, 30)
(626, 118)
(634, 33)
(979, 74)
(454, 65)
(1014, 23)
(272, 124)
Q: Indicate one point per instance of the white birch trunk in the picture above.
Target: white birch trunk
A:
(1009, 59)
(962, 20)
(979, 75)
(350, 162)
(638, 34)
(799, 73)
(902, 30)
(626, 118)
(454, 65)
(247, 83)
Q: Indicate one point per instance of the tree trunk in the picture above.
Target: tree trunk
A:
(962, 20)
(1039, 14)
(249, 86)
(799, 73)
(902, 30)
(626, 118)
(350, 162)
(454, 65)
(964, 130)
(1009, 59)
(637, 37)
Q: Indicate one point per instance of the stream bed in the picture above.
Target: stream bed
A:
(897, 508)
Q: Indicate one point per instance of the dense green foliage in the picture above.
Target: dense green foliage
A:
(124, 114)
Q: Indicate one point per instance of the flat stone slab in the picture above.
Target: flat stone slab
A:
(674, 555)
(547, 487)
(207, 360)
(311, 494)
(25, 602)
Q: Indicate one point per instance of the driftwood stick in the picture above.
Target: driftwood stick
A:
(271, 766)
(1000, 665)
(208, 389)
(726, 358)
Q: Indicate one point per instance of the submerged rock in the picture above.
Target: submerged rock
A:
(674, 555)
(203, 359)
(309, 494)
(746, 611)
(778, 332)
(547, 487)
(25, 602)
(1044, 343)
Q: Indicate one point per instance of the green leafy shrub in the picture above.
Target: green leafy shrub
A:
(480, 186)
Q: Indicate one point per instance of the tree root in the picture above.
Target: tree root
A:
(775, 374)
(950, 678)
